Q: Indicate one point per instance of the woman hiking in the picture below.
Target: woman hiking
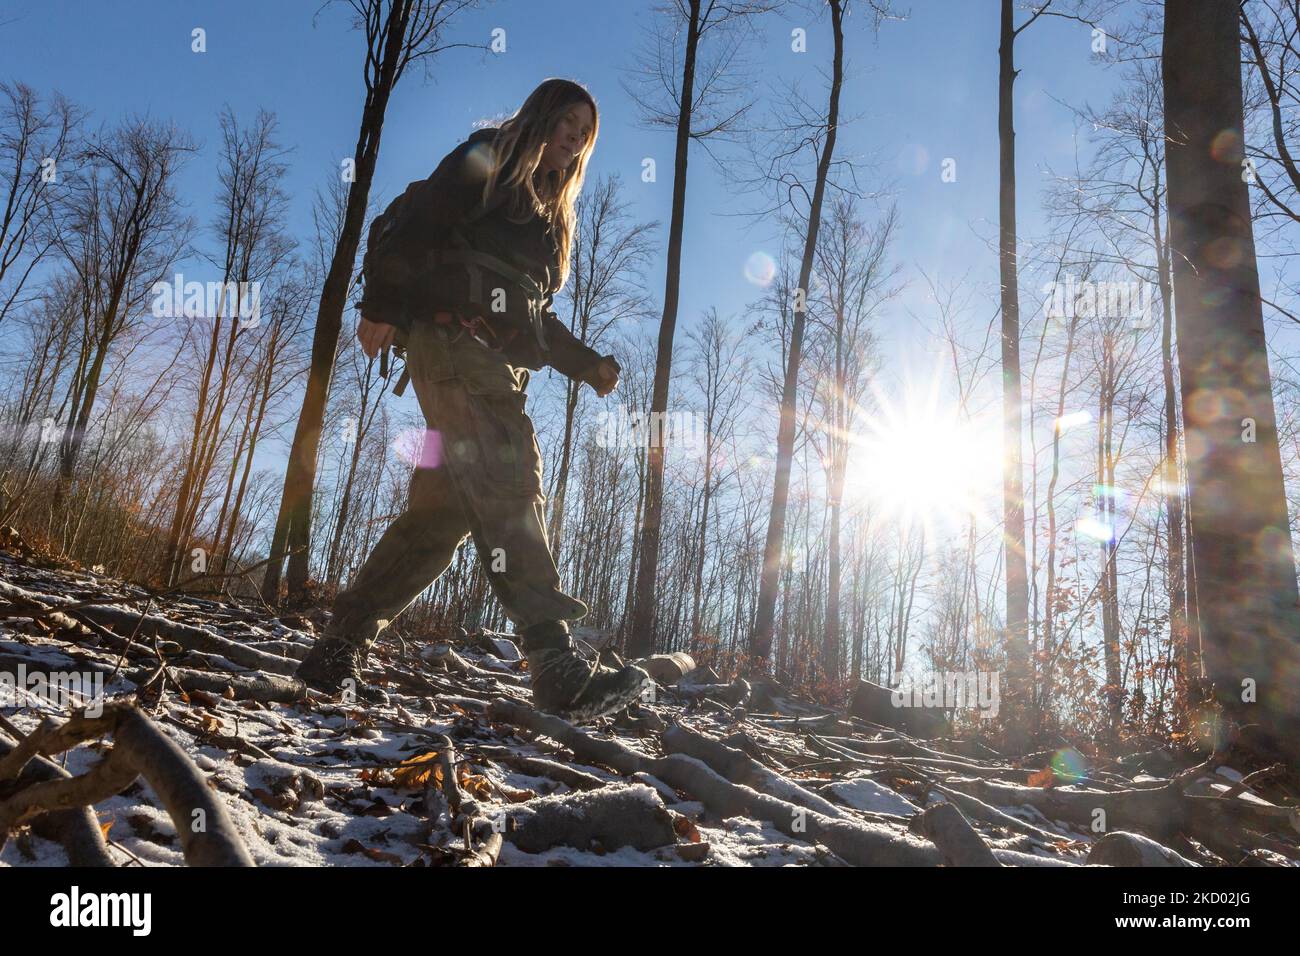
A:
(462, 269)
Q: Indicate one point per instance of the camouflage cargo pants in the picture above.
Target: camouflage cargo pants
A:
(480, 474)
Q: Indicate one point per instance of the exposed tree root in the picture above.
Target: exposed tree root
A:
(206, 833)
(612, 817)
(959, 844)
(860, 844)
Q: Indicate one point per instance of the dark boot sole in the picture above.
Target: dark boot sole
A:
(608, 703)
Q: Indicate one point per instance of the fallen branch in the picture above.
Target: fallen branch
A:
(264, 688)
(739, 767)
(207, 835)
(76, 829)
(571, 777)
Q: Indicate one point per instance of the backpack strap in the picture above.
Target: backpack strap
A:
(474, 262)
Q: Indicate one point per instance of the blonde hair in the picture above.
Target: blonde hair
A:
(517, 151)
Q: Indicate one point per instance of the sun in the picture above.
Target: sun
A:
(920, 459)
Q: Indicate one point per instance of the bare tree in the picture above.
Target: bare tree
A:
(609, 254)
(250, 227)
(1241, 544)
(857, 280)
(397, 33)
(703, 103)
(720, 368)
(124, 231)
(761, 639)
(34, 140)
(1019, 694)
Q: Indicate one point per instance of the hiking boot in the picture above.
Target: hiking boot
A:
(333, 666)
(569, 686)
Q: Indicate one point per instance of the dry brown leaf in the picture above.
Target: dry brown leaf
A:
(685, 828)
(356, 846)
(477, 784)
(693, 852)
(1043, 778)
(284, 800)
(202, 698)
(379, 776)
(516, 796)
(414, 772)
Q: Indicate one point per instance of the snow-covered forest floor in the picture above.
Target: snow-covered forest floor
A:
(706, 773)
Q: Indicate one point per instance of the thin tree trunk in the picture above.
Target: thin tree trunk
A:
(641, 637)
(294, 520)
(1013, 504)
(761, 641)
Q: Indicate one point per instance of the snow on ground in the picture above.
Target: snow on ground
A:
(314, 783)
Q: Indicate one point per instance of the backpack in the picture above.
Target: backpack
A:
(384, 249)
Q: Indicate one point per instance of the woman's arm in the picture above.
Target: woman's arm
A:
(570, 357)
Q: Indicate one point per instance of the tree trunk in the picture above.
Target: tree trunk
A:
(1245, 568)
(1013, 495)
(761, 641)
(1187, 658)
(294, 520)
(641, 639)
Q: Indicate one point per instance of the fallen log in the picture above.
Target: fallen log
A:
(263, 688)
(876, 704)
(571, 777)
(739, 767)
(613, 817)
(445, 656)
(734, 694)
(666, 668)
(991, 814)
(190, 637)
(1133, 849)
(128, 621)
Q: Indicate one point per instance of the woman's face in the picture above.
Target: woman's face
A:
(571, 135)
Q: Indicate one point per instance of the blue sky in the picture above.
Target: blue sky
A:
(924, 90)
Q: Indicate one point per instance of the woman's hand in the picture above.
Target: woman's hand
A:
(605, 378)
(374, 336)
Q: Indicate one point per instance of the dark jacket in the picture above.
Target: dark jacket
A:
(403, 287)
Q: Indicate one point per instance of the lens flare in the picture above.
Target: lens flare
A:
(914, 159)
(760, 269)
(419, 447)
(1069, 765)
(1072, 420)
(1095, 529)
